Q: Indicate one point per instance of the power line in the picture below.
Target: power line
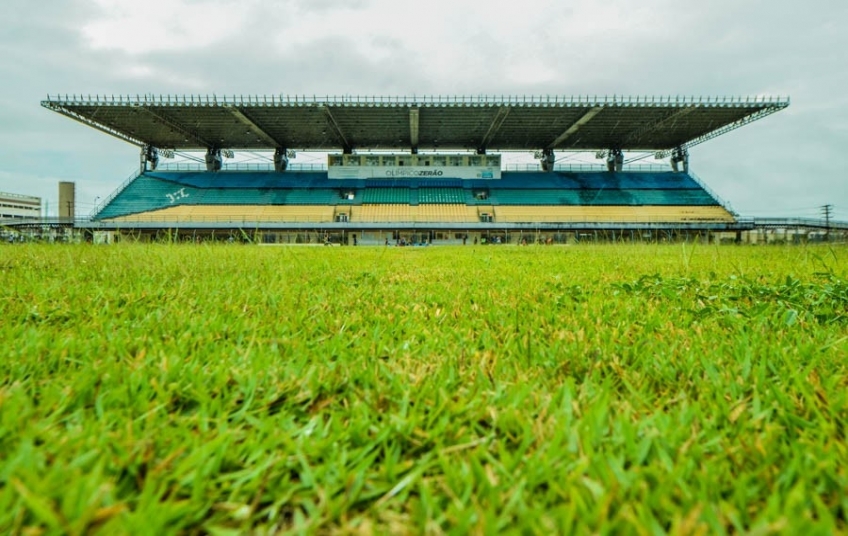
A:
(827, 210)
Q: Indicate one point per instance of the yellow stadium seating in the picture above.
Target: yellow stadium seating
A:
(624, 214)
(374, 213)
(449, 213)
(235, 213)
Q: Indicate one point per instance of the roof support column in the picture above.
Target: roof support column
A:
(547, 159)
(678, 155)
(149, 154)
(615, 160)
(281, 159)
(213, 159)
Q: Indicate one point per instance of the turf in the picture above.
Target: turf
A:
(615, 389)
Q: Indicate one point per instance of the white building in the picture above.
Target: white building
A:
(16, 206)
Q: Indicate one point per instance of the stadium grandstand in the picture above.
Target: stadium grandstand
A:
(414, 169)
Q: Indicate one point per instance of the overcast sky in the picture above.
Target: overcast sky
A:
(788, 164)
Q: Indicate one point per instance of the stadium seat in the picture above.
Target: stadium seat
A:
(235, 213)
(623, 214)
(517, 197)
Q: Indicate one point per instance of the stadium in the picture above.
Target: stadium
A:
(160, 386)
(417, 170)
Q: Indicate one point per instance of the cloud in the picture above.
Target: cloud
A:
(161, 25)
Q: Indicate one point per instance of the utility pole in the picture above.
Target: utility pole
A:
(827, 210)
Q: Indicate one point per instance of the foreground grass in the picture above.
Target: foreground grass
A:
(229, 389)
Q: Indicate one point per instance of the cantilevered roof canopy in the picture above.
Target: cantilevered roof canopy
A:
(411, 123)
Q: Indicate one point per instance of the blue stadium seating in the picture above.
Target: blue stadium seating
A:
(672, 196)
(386, 195)
(155, 190)
(510, 179)
(147, 193)
(441, 196)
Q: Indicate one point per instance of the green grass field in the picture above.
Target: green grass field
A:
(581, 389)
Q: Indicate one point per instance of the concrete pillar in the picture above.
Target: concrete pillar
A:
(67, 199)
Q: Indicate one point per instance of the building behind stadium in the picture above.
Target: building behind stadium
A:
(19, 207)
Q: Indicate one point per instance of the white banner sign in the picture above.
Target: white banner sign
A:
(413, 172)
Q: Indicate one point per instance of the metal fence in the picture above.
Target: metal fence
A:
(528, 167)
(238, 166)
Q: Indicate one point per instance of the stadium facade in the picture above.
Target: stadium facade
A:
(414, 169)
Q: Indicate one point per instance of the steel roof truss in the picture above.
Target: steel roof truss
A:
(575, 127)
(641, 123)
(496, 125)
(91, 123)
(759, 114)
(177, 127)
(331, 120)
(242, 116)
(670, 116)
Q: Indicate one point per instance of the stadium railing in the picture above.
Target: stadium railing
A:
(111, 197)
(237, 166)
(718, 198)
(245, 166)
(646, 168)
(150, 99)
